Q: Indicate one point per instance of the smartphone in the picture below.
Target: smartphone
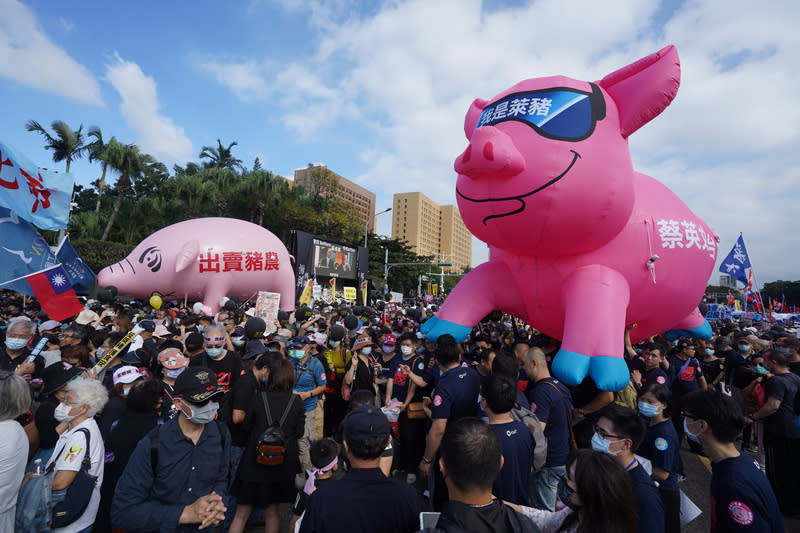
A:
(428, 520)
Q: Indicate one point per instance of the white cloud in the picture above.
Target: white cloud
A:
(29, 57)
(407, 71)
(66, 25)
(241, 78)
(156, 134)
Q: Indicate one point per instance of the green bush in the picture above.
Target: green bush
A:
(100, 254)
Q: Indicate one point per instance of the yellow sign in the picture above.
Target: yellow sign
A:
(349, 293)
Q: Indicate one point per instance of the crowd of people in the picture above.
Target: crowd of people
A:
(351, 418)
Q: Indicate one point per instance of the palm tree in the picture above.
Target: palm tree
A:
(97, 149)
(220, 157)
(67, 145)
(129, 163)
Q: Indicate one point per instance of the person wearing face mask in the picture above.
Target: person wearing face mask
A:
(260, 486)
(226, 365)
(142, 415)
(124, 379)
(781, 432)
(338, 356)
(597, 494)
(358, 373)
(790, 348)
(309, 384)
(55, 379)
(173, 364)
(238, 340)
(177, 477)
(618, 432)
(741, 496)
(14, 353)
(402, 388)
(50, 330)
(713, 367)
(80, 437)
(662, 446)
(739, 370)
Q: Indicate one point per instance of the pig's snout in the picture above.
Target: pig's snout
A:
(491, 153)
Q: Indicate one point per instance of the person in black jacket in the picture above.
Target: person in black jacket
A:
(142, 415)
(264, 486)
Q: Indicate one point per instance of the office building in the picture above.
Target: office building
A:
(362, 200)
(432, 230)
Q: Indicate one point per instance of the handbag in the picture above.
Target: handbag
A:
(414, 411)
(77, 495)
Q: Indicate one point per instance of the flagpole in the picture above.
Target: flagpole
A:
(32, 273)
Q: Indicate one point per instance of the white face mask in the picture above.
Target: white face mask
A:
(62, 413)
(202, 414)
(406, 350)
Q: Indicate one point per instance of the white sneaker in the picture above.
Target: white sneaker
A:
(411, 479)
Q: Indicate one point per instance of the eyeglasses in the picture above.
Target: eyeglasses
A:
(606, 435)
(560, 113)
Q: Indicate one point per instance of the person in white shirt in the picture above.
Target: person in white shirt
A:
(84, 399)
(15, 399)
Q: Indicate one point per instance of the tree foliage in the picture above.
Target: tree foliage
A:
(780, 290)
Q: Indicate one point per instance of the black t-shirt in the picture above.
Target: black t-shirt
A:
(655, 375)
(256, 423)
(301, 500)
(662, 446)
(7, 363)
(243, 395)
(648, 501)
(517, 443)
(685, 375)
(742, 498)
(362, 379)
(795, 367)
(456, 394)
(46, 423)
(495, 517)
(552, 407)
(712, 368)
(228, 369)
(782, 423)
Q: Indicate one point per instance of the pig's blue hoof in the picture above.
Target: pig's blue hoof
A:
(609, 373)
(571, 367)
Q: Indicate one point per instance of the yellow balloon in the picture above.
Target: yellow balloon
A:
(155, 301)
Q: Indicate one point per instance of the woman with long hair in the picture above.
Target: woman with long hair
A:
(267, 486)
(597, 495)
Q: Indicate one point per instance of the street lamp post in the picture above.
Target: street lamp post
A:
(366, 226)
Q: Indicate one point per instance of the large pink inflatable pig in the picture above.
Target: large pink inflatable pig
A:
(206, 258)
(581, 245)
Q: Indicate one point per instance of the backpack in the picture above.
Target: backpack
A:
(271, 446)
(531, 421)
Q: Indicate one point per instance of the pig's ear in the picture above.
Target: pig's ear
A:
(473, 114)
(187, 255)
(643, 89)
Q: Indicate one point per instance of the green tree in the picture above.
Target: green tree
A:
(221, 156)
(67, 145)
(97, 149)
(128, 162)
(401, 278)
(780, 290)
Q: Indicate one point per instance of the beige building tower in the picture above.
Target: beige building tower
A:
(431, 230)
(362, 200)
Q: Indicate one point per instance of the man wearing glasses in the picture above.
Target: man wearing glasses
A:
(72, 336)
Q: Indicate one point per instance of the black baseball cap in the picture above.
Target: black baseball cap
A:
(197, 385)
(363, 422)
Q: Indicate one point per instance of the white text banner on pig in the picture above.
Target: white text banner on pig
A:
(36, 195)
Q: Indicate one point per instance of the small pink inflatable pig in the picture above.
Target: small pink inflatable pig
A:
(581, 245)
(206, 258)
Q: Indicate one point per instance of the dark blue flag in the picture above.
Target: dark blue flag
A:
(22, 251)
(79, 274)
(737, 262)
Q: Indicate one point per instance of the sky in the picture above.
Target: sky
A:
(377, 91)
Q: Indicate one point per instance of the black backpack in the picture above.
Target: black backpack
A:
(271, 446)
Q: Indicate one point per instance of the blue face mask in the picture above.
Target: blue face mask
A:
(214, 352)
(16, 344)
(648, 410)
(599, 444)
(237, 341)
(297, 354)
